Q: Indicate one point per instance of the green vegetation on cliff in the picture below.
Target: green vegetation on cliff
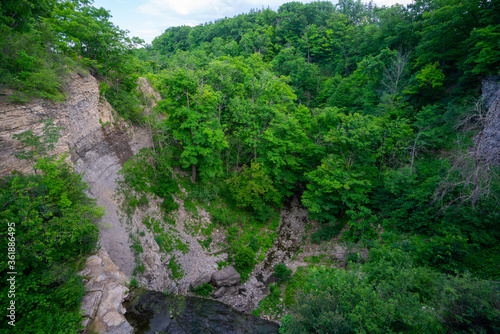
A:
(48, 224)
(43, 42)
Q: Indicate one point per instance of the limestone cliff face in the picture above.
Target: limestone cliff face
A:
(102, 304)
(98, 145)
(490, 146)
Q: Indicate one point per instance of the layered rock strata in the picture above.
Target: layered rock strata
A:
(106, 290)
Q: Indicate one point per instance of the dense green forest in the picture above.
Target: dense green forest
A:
(369, 115)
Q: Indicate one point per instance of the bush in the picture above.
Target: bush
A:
(203, 193)
(169, 204)
(271, 305)
(244, 261)
(222, 216)
(468, 305)
(353, 257)
(175, 268)
(133, 283)
(444, 253)
(281, 272)
(339, 301)
(294, 285)
(326, 232)
(55, 228)
(244, 258)
(204, 290)
(126, 103)
(254, 189)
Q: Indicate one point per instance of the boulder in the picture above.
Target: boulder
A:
(225, 277)
(202, 279)
(231, 290)
(219, 292)
(90, 302)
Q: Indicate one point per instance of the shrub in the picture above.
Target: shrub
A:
(469, 305)
(270, 305)
(55, 226)
(281, 272)
(244, 258)
(244, 261)
(169, 204)
(353, 257)
(222, 216)
(339, 301)
(445, 253)
(133, 283)
(326, 232)
(253, 188)
(204, 290)
(175, 268)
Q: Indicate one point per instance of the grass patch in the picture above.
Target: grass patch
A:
(206, 243)
(272, 305)
(136, 244)
(296, 283)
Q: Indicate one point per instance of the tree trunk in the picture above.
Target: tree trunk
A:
(193, 173)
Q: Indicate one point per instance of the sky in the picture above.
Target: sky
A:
(148, 19)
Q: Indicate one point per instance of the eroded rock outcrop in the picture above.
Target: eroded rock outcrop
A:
(98, 145)
(490, 145)
(106, 290)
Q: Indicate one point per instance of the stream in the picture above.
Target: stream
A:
(152, 312)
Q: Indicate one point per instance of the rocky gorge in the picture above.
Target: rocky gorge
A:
(98, 144)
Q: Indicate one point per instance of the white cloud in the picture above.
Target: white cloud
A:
(205, 8)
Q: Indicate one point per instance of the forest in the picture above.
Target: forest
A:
(371, 117)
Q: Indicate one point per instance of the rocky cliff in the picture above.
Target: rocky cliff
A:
(490, 146)
(98, 145)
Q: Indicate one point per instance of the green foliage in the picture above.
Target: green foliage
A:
(352, 108)
(271, 304)
(353, 257)
(222, 216)
(126, 104)
(446, 253)
(203, 194)
(281, 272)
(36, 147)
(430, 76)
(175, 268)
(140, 177)
(390, 294)
(244, 261)
(326, 232)
(136, 244)
(344, 178)
(206, 243)
(343, 302)
(168, 204)
(204, 290)
(44, 41)
(55, 226)
(252, 188)
(467, 304)
(133, 283)
(293, 286)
